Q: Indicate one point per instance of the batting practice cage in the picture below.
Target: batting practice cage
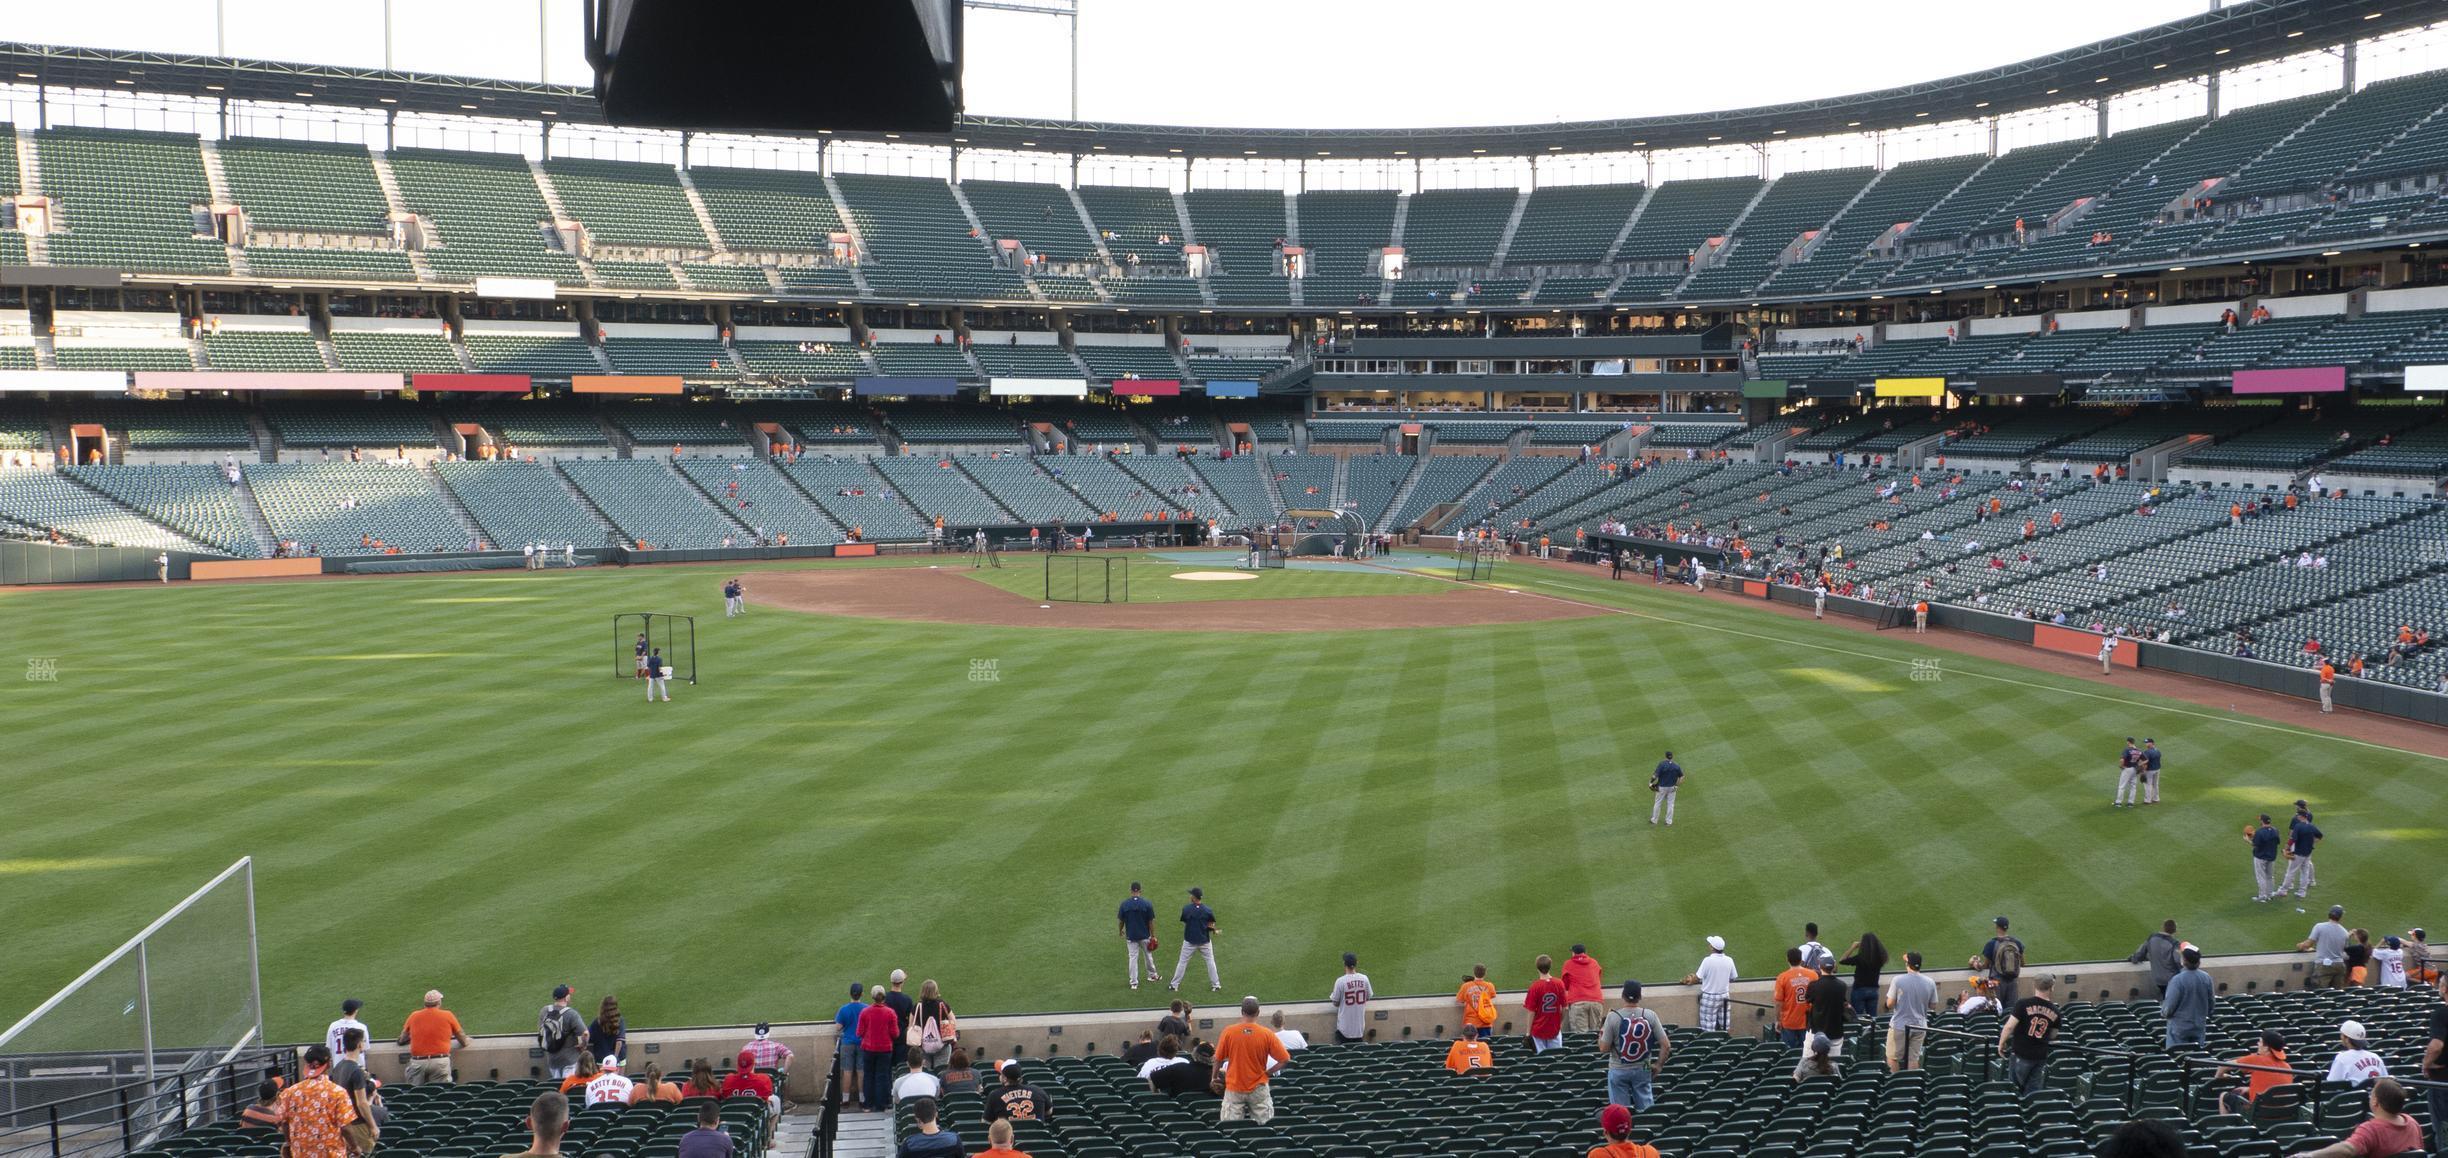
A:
(1087, 579)
(1474, 561)
(163, 1035)
(1321, 532)
(676, 635)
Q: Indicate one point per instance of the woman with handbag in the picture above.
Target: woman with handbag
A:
(934, 1031)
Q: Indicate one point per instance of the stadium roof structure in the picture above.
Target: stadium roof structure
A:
(2240, 34)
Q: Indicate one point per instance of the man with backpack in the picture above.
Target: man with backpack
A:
(1635, 1044)
(2003, 958)
(562, 1033)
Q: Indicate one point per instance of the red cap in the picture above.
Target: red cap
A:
(1615, 1120)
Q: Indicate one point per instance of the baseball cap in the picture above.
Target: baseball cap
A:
(1353, 959)
(433, 997)
(2000, 922)
(610, 1062)
(858, 988)
(1717, 943)
(2353, 1031)
(764, 1029)
(351, 1005)
(1197, 892)
(2337, 910)
(1632, 990)
(899, 977)
(2391, 941)
(1615, 1119)
(560, 991)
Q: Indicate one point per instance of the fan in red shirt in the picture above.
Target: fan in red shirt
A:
(1584, 992)
(1545, 1001)
(746, 1082)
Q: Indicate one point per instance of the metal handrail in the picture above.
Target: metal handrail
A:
(133, 1113)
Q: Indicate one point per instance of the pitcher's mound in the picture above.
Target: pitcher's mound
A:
(1213, 576)
(951, 597)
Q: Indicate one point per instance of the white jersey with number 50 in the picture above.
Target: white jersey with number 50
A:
(1350, 1000)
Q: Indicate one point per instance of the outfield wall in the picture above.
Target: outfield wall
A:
(1027, 1035)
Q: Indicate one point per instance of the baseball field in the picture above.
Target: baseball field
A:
(445, 785)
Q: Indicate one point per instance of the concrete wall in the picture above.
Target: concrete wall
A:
(1390, 1019)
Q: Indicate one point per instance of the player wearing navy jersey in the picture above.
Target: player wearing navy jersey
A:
(1663, 781)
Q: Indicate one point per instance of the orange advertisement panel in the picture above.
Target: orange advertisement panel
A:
(252, 568)
(853, 550)
(2083, 643)
(1755, 587)
(624, 383)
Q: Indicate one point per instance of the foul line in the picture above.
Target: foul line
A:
(2197, 713)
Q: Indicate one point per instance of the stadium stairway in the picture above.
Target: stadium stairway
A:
(265, 540)
(577, 493)
(450, 499)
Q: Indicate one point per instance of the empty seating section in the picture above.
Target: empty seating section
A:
(2366, 217)
(725, 278)
(1344, 232)
(519, 503)
(1963, 354)
(2260, 231)
(1302, 480)
(1442, 479)
(922, 360)
(1110, 491)
(1153, 290)
(2289, 445)
(1234, 368)
(1571, 224)
(658, 425)
(1559, 433)
(823, 423)
(1884, 359)
(340, 424)
(2421, 453)
(1900, 195)
(23, 426)
(2422, 147)
(542, 424)
(1454, 227)
(44, 501)
(170, 425)
(1171, 480)
(939, 489)
(919, 243)
(626, 202)
(489, 217)
(2046, 351)
(1679, 435)
(1793, 205)
(1371, 483)
(287, 351)
(395, 350)
(857, 498)
(836, 281)
(755, 493)
(936, 424)
(2247, 346)
(2133, 352)
(1111, 362)
(80, 357)
(1682, 215)
(809, 359)
(2023, 434)
(1240, 228)
(768, 209)
(651, 504)
(1085, 422)
(193, 500)
(2318, 156)
(309, 186)
(1365, 432)
(1980, 196)
(1033, 360)
(2116, 443)
(127, 199)
(1064, 287)
(346, 262)
(705, 359)
(1845, 433)
(540, 355)
(1242, 485)
(624, 274)
(1137, 220)
(1466, 432)
(338, 506)
(1039, 216)
(1026, 491)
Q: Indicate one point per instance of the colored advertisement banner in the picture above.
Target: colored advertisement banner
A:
(249, 380)
(1148, 387)
(624, 384)
(2299, 380)
(530, 288)
(1230, 389)
(2020, 385)
(1764, 388)
(1911, 387)
(472, 383)
(1038, 387)
(2083, 643)
(2423, 378)
(68, 381)
(906, 387)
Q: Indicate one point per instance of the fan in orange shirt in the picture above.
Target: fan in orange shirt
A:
(1477, 997)
(1615, 1123)
(1793, 1011)
(1469, 1053)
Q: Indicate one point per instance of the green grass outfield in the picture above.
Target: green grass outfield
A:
(1152, 580)
(444, 786)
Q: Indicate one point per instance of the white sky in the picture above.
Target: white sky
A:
(1266, 63)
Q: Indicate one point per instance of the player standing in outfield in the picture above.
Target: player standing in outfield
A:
(2129, 773)
(1662, 782)
(1350, 998)
(1920, 616)
(1198, 939)
(1715, 977)
(2328, 681)
(2150, 771)
(1819, 599)
(2264, 841)
(735, 601)
(1545, 1002)
(2302, 835)
(658, 676)
(1477, 997)
(1138, 920)
(2107, 652)
(640, 649)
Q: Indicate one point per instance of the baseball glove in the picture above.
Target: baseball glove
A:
(1653, 784)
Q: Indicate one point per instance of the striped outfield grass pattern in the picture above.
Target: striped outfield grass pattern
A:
(444, 785)
(1153, 581)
